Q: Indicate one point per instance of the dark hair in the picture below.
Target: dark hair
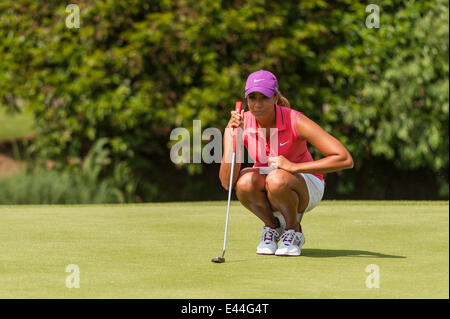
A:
(282, 100)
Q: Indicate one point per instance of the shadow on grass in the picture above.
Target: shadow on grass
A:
(320, 253)
(328, 253)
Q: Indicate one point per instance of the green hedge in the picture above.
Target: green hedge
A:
(77, 183)
(137, 69)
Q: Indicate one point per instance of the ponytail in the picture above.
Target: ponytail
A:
(282, 100)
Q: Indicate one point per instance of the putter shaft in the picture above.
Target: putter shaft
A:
(238, 109)
(228, 205)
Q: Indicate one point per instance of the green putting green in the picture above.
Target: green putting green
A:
(164, 250)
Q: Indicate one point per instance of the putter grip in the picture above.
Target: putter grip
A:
(235, 131)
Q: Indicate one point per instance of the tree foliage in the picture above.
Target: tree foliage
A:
(136, 69)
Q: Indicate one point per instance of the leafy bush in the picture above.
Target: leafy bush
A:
(77, 184)
(137, 69)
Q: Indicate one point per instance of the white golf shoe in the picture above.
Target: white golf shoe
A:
(291, 243)
(271, 236)
(269, 241)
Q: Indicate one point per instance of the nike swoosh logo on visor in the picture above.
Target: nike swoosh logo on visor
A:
(258, 80)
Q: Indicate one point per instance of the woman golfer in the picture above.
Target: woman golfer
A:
(285, 182)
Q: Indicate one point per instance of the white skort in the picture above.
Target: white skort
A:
(316, 188)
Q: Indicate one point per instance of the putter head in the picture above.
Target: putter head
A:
(218, 260)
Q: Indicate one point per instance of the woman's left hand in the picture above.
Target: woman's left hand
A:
(280, 162)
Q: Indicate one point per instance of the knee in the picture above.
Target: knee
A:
(246, 184)
(275, 182)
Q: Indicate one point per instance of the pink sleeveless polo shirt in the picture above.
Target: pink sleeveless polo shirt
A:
(288, 143)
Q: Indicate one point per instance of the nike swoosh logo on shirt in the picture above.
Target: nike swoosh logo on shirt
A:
(258, 80)
(281, 144)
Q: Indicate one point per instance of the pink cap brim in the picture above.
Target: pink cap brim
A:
(266, 91)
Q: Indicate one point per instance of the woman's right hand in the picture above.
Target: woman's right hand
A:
(236, 119)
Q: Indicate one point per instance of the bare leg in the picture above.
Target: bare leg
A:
(288, 194)
(251, 192)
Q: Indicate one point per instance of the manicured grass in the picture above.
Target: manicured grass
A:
(163, 250)
(18, 125)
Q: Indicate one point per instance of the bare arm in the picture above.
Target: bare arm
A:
(336, 155)
(236, 120)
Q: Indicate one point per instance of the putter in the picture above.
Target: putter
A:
(222, 258)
